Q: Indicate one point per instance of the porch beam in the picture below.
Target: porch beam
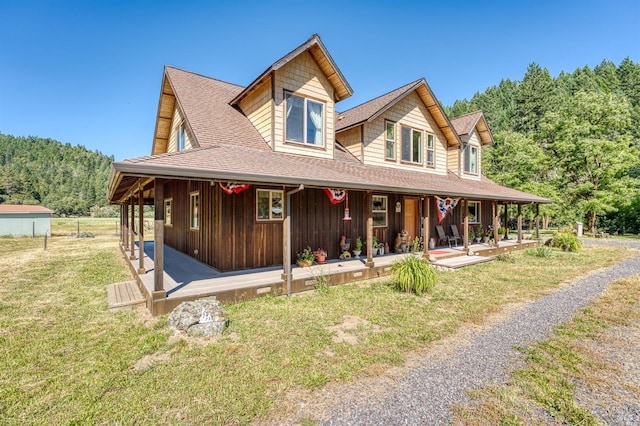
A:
(519, 223)
(158, 237)
(426, 202)
(141, 269)
(496, 221)
(465, 211)
(369, 209)
(132, 230)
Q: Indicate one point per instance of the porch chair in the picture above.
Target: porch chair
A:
(442, 237)
(456, 234)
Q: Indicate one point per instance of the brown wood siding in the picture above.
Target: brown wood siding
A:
(456, 217)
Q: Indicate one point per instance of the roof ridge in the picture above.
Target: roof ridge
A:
(469, 113)
(204, 76)
(380, 96)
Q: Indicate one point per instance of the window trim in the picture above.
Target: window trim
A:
(385, 210)
(306, 100)
(192, 216)
(478, 206)
(181, 138)
(467, 150)
(271, 218)
(387, 140)
(168, 218)
(430, 137)
(412, 130)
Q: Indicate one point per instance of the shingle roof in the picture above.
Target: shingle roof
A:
(465, 124)
(22, 209)
(363, 112)
(251, 165)
(205, 103)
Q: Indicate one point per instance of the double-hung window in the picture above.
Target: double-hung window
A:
(390, 140)
(304, 121)
(471, 159)
(431, 150)
(473, 207)
(194, 207)
(269, 204)
(411, 145)
(379, 210)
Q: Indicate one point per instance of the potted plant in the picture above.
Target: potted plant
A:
(358, 248)
(375, 246)
(472, 234)
(479, 234)
(305, 257)
(321, 256)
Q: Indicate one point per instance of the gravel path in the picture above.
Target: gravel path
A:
(425, 394)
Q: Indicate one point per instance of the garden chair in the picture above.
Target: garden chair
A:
(442, 237)
(456, 234)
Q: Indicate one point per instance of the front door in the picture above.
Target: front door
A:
(411, 218)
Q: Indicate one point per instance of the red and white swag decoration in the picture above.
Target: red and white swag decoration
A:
(234, 187)
(336, 195)
(445, 205)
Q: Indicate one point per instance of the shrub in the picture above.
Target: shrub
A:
(413, 275)
(506, 257)
(567, 241)
(542, 251)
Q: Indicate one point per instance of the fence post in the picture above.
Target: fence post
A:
(45, 241)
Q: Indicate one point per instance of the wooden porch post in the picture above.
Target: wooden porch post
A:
(286, 229)
(506, 221)
(125, 231)
(426, 201)
(132, 237)
(537, 221)
(141, 269)
(158, 238)
(465, 207)
(369, 209)
(496, 222)
(519, 223)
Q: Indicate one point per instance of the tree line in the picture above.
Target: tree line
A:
(70, 180)
(574, 139)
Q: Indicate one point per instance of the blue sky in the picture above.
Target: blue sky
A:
(89, 72)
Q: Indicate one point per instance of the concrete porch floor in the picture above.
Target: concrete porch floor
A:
(185, 278)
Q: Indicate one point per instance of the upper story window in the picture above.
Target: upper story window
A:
(194, 207)
(411, 145)
(431, 150)
(304, 121)
(471, 159)
(182, 138)
(379, 210)
(390, 140)
(269, 204)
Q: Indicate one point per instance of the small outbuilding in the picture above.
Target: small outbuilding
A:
(24, 220)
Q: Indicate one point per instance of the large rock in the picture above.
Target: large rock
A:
(205, 317)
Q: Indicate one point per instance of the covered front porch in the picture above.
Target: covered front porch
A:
(186, 279)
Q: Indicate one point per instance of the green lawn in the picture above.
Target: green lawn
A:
(67, 359)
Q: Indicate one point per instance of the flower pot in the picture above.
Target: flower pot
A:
(304, 263)
(356, 253)
(321, 259)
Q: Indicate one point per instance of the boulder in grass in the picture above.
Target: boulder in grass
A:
(207, 316)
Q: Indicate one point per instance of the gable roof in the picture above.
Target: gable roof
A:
(369, 111)
(205, 103)
(23, 209)
(465, 124)
(319, 52)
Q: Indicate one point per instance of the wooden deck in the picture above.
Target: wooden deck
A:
(188, 279)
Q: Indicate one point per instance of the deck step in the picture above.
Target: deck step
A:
(461, 261)
(124, 294)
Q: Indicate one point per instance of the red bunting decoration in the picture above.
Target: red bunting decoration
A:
(233, 187)
(336, 195)
(445, 205)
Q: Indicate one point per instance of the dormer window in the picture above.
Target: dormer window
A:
(390, 140)
(304, 121)
(471, 159)
(411, 145)
(431, 151)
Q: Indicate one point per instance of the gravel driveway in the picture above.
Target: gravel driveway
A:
(425, 394)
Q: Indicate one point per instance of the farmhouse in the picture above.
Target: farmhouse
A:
(24, 220)
(245, 177)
